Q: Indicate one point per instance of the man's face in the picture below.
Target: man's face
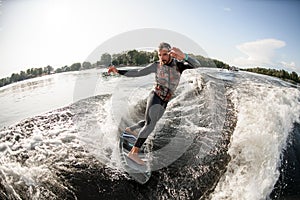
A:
(164, 56)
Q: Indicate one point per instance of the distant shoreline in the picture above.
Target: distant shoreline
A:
(140, 59)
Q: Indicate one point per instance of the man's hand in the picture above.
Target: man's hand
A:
(112, 69)
(177, 53)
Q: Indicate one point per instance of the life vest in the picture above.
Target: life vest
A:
(167, 79)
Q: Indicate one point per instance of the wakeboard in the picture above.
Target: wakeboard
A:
(140, 173)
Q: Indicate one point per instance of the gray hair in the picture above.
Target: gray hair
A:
(164, 45)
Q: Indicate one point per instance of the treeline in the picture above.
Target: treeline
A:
(23, 75)
(282, 74)
(36, 72)
(128, 58)
(135, 58)
(208, 62)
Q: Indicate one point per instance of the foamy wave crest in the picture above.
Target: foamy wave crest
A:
(266, 114)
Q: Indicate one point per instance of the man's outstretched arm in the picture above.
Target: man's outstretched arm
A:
(151, 68)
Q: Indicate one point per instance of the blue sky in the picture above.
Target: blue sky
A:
(244, 33)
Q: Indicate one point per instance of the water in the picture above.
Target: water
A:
(35, 96)
(225, 135)
(266, 115)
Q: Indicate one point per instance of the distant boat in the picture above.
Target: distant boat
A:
(233, 68)
(106, 74)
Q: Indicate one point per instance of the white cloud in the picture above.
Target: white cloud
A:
(290, 66)
(227, 9)
(259, 53)
(0, 7)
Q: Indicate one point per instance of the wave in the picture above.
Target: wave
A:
(219, 138)
(267, 110)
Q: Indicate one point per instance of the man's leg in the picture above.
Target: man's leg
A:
(132, 129)
(154, 111)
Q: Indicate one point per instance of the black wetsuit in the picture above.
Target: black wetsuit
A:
(167, 78)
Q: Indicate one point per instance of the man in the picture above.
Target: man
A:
(172, 62)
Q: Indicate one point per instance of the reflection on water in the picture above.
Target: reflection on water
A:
(35, 96)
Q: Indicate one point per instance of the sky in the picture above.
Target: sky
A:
(242, 33)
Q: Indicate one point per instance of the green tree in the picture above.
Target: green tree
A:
(39, 71)
(105, 59)
(115, 59)
(66, 69)
(294, 76)
(122, 59)
(14, 77)
(86, 65)
(142, 58)
(28, 72)
(48, 69)
(2, 82)
(23, 75)
(132, 57)
(75, 67)
(154, 56)
(115, 62)
(58, 70)
(5, 81)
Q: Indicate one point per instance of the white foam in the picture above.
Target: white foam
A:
(98, 132)
(266, 114)
(26, 162)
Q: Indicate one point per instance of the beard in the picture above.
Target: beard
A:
(165, 61)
